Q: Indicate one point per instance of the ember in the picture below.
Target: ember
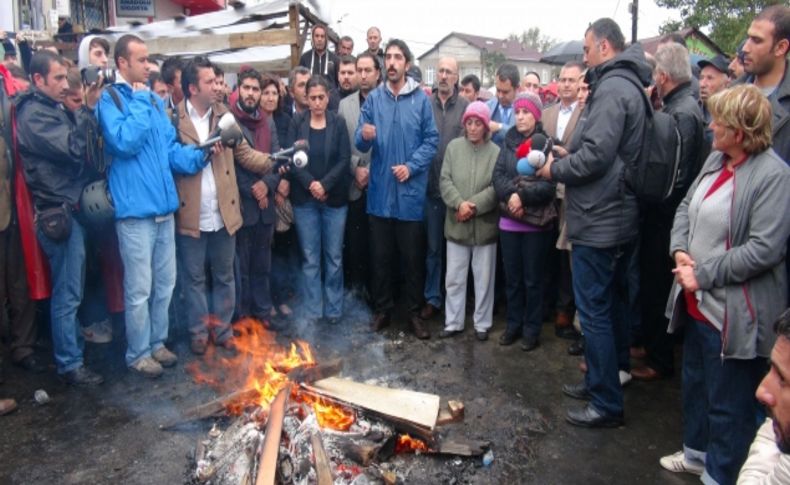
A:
(407, 444)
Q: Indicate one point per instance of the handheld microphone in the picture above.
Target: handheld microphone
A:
(227, 131)
(541, 147)
(299, 146)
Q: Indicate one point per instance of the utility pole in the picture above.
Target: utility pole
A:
(634, 19)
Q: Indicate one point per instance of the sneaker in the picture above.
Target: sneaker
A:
(82, 376)
(676, 462)
(625, 378)
(148, 367)
(164, 357)
(98, 332)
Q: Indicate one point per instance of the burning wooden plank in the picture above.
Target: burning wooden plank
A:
(267, 465)
(302, 374)
(322, 469)
(418, 408)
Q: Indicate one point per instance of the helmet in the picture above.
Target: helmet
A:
(96, 203)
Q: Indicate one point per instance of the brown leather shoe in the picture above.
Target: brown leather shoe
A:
(379, 322)
(7, 406)
(198, 346)
(418, 327)
(646, 373)
(429, 311)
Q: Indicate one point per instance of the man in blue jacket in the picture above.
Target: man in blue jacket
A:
(397, 122)
(141, 140)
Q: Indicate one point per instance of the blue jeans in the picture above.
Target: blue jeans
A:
(218, 251)
(719, 407)
(67, 265)
(600, 286)
(523, 257)
(321, 230)
(435, 210)
(148, 251)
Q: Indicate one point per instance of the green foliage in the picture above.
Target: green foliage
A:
(491, 61)
(533, 39)
(728, 20)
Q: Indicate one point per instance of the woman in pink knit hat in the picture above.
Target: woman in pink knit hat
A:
(527, 217)
(470, 226)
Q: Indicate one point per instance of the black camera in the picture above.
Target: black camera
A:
(91, 74)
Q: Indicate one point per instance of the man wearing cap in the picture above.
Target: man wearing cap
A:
(319, 60)
(713, 78)
(448, 108)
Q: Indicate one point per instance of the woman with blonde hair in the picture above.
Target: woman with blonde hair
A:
(729, 240)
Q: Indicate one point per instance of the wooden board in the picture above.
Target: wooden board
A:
(218, 42)
(416, 407)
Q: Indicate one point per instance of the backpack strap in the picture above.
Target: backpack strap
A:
(639, 87)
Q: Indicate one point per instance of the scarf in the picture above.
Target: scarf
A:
(258, 124)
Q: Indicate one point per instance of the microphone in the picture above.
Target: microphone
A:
(299, 146)
(227, 131)
(541, 147)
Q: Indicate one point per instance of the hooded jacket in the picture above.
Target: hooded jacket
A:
(83, 53)
(405, 134)
(142, 142)
(601, 211)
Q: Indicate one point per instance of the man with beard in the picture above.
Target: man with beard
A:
(355, 257)
(254, 241)
(769, 456)
(318, 59)
(396, 121)
(347, 76)
(766, 65)
(345, 47)
(448, 109)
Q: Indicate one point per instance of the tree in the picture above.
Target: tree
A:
(533, 39)
(491, 61)
(728, 20)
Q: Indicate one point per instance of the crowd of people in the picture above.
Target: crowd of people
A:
(409, 188)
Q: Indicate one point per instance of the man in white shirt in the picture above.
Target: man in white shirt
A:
(559, 121)
(769, 456)
(209, 215)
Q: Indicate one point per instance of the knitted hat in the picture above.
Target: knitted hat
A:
(478, 110)
(529, 101)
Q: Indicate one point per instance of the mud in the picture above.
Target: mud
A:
(110, 434)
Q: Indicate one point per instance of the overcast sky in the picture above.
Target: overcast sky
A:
(422, 23)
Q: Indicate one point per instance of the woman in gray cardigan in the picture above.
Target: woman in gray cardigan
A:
(471, 222)
(728, 241)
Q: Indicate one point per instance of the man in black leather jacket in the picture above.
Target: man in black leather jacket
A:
(55, 145)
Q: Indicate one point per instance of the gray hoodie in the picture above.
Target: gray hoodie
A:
(601, 211)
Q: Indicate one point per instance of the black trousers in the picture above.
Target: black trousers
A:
(404, 240)
(13, 289)
(254, 252)
(656, 283)
(356, 255)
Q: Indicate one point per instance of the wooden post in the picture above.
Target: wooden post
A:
(293, 22)
(267, 465)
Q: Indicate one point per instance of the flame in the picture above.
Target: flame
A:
(328, 414)
(259, 363)
(407, 444)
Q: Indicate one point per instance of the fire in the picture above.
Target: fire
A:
(407, 444)
(330, 415)
(259, 363)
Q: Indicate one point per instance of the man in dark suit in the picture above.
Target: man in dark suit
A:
(559, 121)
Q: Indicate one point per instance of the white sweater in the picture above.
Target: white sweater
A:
(765, 465)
